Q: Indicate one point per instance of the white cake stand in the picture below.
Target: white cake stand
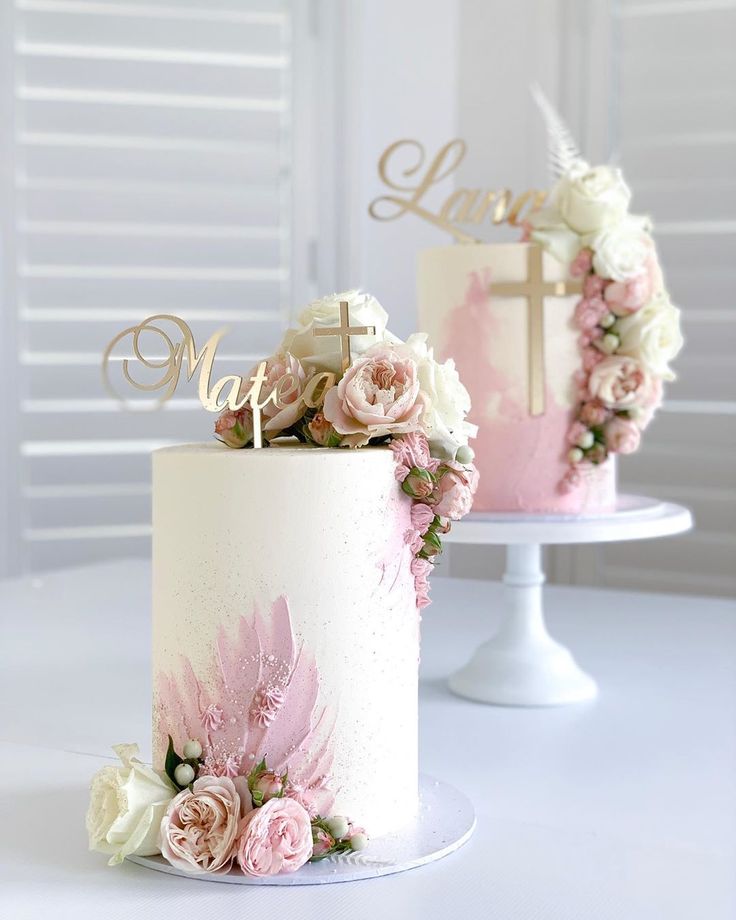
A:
(522, 665)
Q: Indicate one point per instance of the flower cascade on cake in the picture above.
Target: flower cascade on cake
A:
(221, 803)
(629, 329)
(377, 390)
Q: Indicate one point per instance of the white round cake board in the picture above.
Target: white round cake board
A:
(444, 822)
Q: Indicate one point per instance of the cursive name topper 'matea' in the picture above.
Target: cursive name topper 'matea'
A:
(183, 351)
(409, 185)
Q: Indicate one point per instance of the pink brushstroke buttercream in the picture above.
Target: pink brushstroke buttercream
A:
(258, 697)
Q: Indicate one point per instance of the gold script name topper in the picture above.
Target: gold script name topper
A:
(181, 350)
(409, 185)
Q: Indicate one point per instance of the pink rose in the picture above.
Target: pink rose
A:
(591, 357)
(199, 830)
(621, 435)
(277, 837)
(419, 484)
(590, 312)
(456, 486)
(267, 786)
(625, 297)
(582, 263)
(411, 450)
(593, 286)
(576, 433)
(594, 413)
(620, 382)
(322, 432)
(285, 375)
(378, 395)
(421, 516)
(235, 428)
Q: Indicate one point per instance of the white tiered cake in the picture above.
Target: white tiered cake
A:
(329, 683)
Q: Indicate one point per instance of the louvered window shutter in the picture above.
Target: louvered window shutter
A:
(150, 158)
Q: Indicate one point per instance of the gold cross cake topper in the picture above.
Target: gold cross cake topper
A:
(535, 289)
(344, 331)
(183, 353)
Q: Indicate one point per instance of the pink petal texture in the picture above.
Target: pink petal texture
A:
(258, 697)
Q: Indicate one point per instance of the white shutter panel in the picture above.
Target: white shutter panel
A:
(151, 172)
(673, 100)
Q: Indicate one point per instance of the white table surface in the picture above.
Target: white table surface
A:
(622, 808)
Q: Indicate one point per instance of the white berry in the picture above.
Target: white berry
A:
(358, 842)
(192, 750)
(337, 826)
(183, 774)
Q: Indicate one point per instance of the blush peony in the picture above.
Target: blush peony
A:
(620, 382)
(379, 395)
(277, 837)
(199, 829)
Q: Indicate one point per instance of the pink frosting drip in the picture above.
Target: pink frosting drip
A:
(257, 698)
(521, 458)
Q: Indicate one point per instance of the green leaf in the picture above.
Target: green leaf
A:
(172, 762)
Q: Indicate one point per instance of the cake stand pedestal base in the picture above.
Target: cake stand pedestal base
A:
(444, 822)
(522, 665)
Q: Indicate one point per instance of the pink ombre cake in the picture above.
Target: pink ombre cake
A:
(521, 458)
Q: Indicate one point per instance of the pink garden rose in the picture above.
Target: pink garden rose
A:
(235, 428)
(278, 367)
(199, 829)
(593, 413)
(411, 450)
(625, 297)
(277, 837)
(619, 383)
(456, 486)
(378, 395)
(622, 435)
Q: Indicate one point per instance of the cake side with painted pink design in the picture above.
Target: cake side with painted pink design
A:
(255, 655)
(521, 458)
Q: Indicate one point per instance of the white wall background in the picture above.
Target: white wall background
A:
(218, 160)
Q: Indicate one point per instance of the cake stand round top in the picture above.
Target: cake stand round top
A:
(635, 518)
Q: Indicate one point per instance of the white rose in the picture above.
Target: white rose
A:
(449, 402)
(592, 198)
(126, 807)
(621, 252)
(323, 352)
(652, 335)
(553, 234)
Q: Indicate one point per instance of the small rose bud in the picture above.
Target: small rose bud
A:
(338, 826)
(586, 440)
(419, 483)
(183, 774)
(465, 454)
(268, 785)
(608, 320)
(192, 750)
(608, 343)
(322, 842)
(358, 842)
(575, 455)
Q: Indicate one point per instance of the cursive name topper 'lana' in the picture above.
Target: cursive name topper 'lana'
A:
(409, 175)
(231, 391)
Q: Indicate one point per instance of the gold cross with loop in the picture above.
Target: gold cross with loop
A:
(535, 289)
(344, 331)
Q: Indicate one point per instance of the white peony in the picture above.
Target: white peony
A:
(323, 352)
(592, 198)
(652, 335)
(443, 421)
(126, 807)
(621, 252)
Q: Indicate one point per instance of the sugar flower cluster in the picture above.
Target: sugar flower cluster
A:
(629, 329)
(393, 393)
(204, 823)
